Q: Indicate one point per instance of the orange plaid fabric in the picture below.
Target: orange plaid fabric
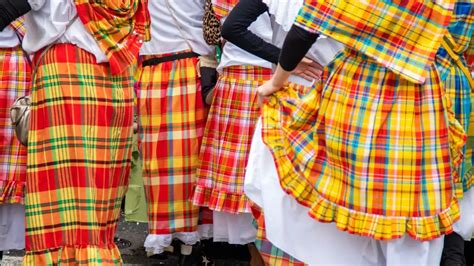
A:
(118, 26)
(227, 139)
(172, 117)
(79, 155)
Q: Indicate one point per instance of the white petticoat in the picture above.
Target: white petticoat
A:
(289, 227)
(232, 228)
(12, 227)
(156, 244)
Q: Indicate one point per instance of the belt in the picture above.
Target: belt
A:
(164, 59)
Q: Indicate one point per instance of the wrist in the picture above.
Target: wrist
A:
(275, 84)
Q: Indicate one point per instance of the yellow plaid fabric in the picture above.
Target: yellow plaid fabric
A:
(401, 35)
(369, 150)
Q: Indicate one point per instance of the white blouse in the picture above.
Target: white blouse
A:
(47, 22)
(8, 38)
(165, 34)
(234, 56)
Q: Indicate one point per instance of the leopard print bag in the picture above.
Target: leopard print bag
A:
(211, 27)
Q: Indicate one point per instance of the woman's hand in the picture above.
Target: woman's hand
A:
(309, 69)
(267, 89)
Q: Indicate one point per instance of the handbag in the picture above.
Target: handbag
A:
(211, 25)
(21, 108)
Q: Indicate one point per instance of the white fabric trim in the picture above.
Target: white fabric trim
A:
(157, 243)
(232, 228)
(205, 231)
(465, 226)
(12, 226)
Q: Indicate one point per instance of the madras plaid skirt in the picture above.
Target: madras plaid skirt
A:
(227, 138)
(79, 154)
(14, 82)
(377, 150)
(172, 117)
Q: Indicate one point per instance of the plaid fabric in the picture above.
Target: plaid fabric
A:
(401, 35)
(383, 168)
(272, 255)
(227, 138)
(79, 152)
(172, 119)
(19, 26)
(14, 82)
(118, 26)
(222, 8)
(457, 84)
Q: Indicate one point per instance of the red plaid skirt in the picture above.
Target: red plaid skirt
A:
(227, 138)
(14, 82)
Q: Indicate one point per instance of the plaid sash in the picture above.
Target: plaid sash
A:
(222, 8)
(19, 27)
(401, 35)
(119, 26)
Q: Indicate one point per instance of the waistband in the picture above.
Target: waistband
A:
(152, 60)
(247, 72)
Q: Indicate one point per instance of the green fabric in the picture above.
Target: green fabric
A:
(135, 201)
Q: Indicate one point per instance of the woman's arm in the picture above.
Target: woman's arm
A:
(235, 30)
(296, 45)
(10, 10)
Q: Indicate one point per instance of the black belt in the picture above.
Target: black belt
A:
(159, 60)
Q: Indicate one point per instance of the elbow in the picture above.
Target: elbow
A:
(229, 31)
(226, 31)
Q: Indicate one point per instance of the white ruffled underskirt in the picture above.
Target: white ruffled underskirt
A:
(156, 244)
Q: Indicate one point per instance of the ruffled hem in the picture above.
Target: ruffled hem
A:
(293, 181)
(12, 192)
(75, 255)
(156, 244)
(386, 228)
(378, 227)
(457, 139)
(217, 200)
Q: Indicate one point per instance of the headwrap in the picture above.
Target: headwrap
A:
(119, 26)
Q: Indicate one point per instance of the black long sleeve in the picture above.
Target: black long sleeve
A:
(11, 10)
(235, 30)
(296, 45)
